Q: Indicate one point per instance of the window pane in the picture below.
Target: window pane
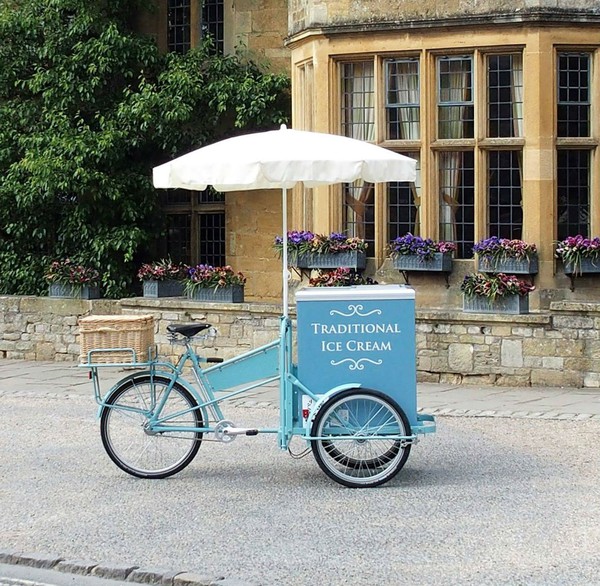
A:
(212, 22)
(504, 194)
(179, 237)
(505, 95)
(209, 195)
(402, 99)
(573, 193)
(212, 239)
(457, 205)
(573, 94)
(359, 212)
(455, 97)
(404, 203)
(358, 100)
(175, 197)
(178, 26)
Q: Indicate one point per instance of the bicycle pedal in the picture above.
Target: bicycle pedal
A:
(239, 431)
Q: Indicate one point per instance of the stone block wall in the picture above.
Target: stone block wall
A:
(555, 347)
(549, 348)
(41, 328)
(240, 326)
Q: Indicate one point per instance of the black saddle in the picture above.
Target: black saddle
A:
(187, 330)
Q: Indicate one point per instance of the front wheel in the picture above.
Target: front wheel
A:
(136, 449)
(362, 448)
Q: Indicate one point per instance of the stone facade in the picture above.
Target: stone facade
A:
(257, 27)
(553, 348)
(327, 35)
(558, 347)
(306, 14)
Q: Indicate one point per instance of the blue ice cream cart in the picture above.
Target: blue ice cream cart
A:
(351, 394)
(363, 336)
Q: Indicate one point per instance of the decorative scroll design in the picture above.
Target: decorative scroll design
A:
(355, 310)
(356, 364)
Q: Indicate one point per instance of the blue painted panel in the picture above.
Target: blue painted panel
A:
(361, 336)
(249, 367)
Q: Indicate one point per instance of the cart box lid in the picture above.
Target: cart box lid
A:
(358, 292)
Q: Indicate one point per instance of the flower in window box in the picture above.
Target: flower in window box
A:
(68, 278)
(495, 293)
(309, 250)
(209, 277)
(163, 270)
(221, 284)
(340, 277)
(579, 254)
(69, 272)
(503, 248)
(494, 286)
(304, 242)
(423, 248)
(162, 278)
(413, 253)
(505, 255)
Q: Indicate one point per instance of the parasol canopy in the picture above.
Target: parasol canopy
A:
(279, 159)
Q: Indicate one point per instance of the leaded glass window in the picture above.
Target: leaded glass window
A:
(455, 97)
(573, 94)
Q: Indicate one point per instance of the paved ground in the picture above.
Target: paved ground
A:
(18, 378)
(508, 494)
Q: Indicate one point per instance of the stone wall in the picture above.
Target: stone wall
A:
(557, 347)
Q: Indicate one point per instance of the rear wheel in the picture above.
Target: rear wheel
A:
(363, 427)
(127, 439)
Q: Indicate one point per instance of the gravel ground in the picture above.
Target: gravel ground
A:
(482, 501)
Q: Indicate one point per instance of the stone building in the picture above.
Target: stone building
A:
(237, 229)
(496, 101)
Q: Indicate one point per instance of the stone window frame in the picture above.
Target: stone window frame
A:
(570, 151)
(193, 207)
(220, 23)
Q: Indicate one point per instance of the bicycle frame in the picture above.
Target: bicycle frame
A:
(269, 363)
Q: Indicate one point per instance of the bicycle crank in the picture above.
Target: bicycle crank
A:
(226, 432)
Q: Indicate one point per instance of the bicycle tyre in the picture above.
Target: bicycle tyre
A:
(131, 447)
(360, 463)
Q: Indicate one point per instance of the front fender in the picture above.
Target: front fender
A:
(316, 407)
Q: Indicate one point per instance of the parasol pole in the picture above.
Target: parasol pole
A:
(285, 254)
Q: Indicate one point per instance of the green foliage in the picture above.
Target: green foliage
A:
(87, 108)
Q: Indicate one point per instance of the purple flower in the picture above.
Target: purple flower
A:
(422, 248)
(503, 248)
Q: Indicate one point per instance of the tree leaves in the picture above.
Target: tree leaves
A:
(87, 108)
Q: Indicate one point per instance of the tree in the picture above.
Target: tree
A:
(87, 108)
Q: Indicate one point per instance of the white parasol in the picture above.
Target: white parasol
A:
(279, 159)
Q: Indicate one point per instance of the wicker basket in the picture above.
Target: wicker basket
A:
(118, 338)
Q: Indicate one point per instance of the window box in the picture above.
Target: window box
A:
(230, 294)
(585, 265)
(68, 291)
(441, 261)
(353, 259)
(509, 266)
(168, 288)
(511, 304)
